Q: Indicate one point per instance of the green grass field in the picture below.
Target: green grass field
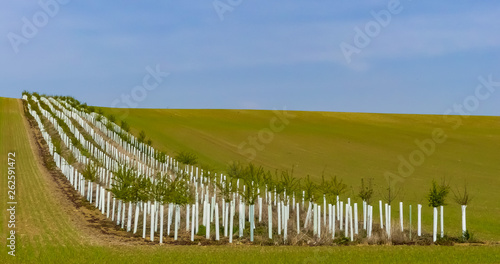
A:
(46, 233)
(350, 145)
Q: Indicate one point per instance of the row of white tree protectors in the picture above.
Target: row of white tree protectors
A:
(142, 157)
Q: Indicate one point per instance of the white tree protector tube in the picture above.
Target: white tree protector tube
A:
(144, 214)
(129, 217)
(308, 215)
(381, 214)
(216, 221)
(355, 218)
(329, 222)
(204, 220)
(341, 216)
(103, 200)
(279, 217)
(324, 210)
(270, 219)
(226, 213)
(212, 207)
(223, 212)
(169, 218)
(187, 216)
(410, 226)
(82, 185)
(297, 211)
(109, 199)
(464, 223)
(113, 211)
(434, 227)
(419, 220)
(231, 220)
(251, 218)
(241, 218)
(315, 219)
(193, 221)
(123, 214)
(351, 222)
(389, 224)
(401, 215)
(387, 218)
(161, 222)
(284, 214)
(338, 208)
(346, 229)
(152, 216)
(197, 219)
(97, 189)
(333, 221)
(319, 221)
(91, 189)
(285, 225)
(364, 215)
(156, 207)
(207, 219)
(177, 220)
(260, 209)
(442, 225)
(370, 223)
(136, 219)
(118, 217)
(368, 234)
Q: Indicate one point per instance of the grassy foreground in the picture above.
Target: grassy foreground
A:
(349, 145)
(45, 232)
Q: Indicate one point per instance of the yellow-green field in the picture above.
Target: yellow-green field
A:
(46, 231)
(349, 145)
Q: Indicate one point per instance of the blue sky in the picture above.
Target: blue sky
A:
(260, 55)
